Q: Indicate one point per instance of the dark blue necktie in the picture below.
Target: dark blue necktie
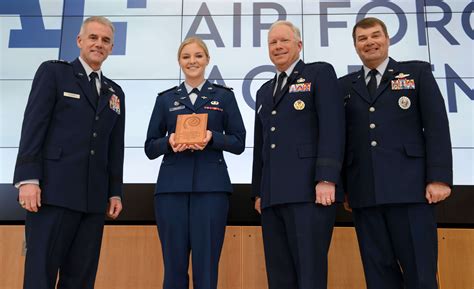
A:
(95, 94)
(372, 85)
(281, 77)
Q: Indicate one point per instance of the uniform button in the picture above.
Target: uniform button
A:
(372, 125)
(373, 143)
(96, 117)
(94, 134)
(272, 128)
(92, 152)
(273, 146)
(274, 112)
(371, 109)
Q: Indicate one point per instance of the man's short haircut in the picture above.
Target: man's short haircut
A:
(98, 19)
(295, 29)
(368, 23)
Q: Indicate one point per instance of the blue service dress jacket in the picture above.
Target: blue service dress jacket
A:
(397, 142)
(72, 145)
(195, 171)
(299, 136)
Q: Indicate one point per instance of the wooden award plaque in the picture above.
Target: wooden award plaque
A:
(191, 128)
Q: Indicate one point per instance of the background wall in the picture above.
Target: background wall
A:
(144, 62)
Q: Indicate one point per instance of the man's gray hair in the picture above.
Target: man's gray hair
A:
(98, 19)
(295, 29)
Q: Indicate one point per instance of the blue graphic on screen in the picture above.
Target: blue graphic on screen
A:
(34, 34)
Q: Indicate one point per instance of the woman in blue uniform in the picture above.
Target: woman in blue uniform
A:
(193, 186)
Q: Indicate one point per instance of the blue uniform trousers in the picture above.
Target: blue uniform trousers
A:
(398, 245)
(296, 240)
(62, 239)
(191, 223)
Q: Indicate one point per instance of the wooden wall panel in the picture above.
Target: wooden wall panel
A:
(344, 263)
(131, 258)
(230, 265)
(253, 273)
(456, 258)
(11, 258)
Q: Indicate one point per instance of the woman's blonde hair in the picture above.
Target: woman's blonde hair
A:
(193, 39)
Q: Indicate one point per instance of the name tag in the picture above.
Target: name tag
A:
(177, 108)
(72, 95)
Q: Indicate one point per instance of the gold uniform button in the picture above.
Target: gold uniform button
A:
(273, 146)
(371, 109)
(372, 125)
(272, 128)
(373, 143)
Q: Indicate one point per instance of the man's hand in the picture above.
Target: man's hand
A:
(258, 206)
(325, 193)
(29, 197)
(436, 192)
(114, 208)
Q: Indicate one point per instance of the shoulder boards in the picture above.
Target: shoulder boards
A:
(59, 61)
(165, 91)
(414, 62)
(223, 86)
(317, 63)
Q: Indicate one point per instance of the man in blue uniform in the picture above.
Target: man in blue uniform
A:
(70, 162)
(298, 154)
(398, 162)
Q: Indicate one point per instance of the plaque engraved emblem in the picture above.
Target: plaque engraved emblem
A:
(191, 128)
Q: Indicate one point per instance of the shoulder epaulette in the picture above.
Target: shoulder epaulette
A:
(59, 61)
(317, 62)
(414, 62)
(222, 86)
(169, 89)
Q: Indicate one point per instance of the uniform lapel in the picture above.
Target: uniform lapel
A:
(106, 92)
(360, 87)
(83, 81)
(291, 78)
(205, 95)
(181, 96)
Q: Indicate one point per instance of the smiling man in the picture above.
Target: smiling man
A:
(398, 162)
(70, 163)
(298, 153)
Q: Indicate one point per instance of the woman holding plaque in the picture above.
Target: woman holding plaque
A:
(193, 186)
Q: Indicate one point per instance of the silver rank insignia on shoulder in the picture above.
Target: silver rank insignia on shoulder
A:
(111, 89)
(176, 103)
(204, 97)
(300, 80)
(299, 104)
(214, 102)
(402, 75)
(404, 102)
